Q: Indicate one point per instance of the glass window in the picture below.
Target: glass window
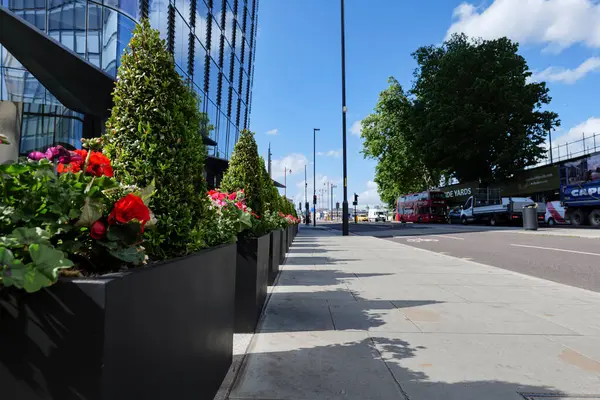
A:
(239, 36)
(215, 37)
(181, 42)
(224, 95)
(222, 135)
(226, 59)
(211, 110)
(126, 27)
(110, 26)
(130, 7)
(94, 33)
(213, 82)
(232, 139)
(199, 59)
(159, 16)
(201, 22)
(234, 99)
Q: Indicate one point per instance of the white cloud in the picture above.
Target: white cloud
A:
(294, 162)
(356, 128)
(572, 143)
(556, 23)
(369, 197)
(330, 153)
(273, 132)
(566, 75)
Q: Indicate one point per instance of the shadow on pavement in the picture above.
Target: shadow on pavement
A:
(371, 368)
(308, 277)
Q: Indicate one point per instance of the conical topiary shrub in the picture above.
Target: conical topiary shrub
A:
(245, 172)
(154, 135)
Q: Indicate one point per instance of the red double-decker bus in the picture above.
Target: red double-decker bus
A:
(429, 206)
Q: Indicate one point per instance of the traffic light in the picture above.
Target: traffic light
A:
(355, 197)
(306, 206)
(337, 205)
(299, 205)
(315, 199)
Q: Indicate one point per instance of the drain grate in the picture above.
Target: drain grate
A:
(557, 396)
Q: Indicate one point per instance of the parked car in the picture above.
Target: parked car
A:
(454, 216)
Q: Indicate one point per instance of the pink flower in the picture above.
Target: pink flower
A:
(233, 196)
(36, 155)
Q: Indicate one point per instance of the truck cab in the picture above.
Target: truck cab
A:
(582, 203)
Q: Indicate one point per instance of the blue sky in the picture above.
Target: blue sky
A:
(297, 82)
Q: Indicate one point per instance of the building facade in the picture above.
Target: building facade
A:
(213, 43)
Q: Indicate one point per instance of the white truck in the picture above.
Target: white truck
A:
(492, 209)
(376, 215)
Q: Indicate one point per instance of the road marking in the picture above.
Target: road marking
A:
(563, 250)
(450, 237)
(418, 240)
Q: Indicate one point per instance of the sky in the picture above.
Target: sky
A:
(297, 81)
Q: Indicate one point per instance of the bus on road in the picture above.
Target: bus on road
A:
(428, 206)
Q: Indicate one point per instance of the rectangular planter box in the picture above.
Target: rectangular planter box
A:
(252, 275)
(274, 255)
(283, 244)
(161, 332)
(290, 237)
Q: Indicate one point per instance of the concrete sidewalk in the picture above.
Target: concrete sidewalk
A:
(364, 318)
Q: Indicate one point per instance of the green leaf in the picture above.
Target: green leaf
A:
(129, 254)
(6, 256)
(48, 260)
(147, 192)
(91, 212)
(29, 236)
(126, 233)
(34, 280)
(14, 275)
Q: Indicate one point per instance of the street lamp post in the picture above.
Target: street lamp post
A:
(285, 171)
(345, 202)
(315, 175)
(332, 187)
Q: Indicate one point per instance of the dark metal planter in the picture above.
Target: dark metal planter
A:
(252, 275)
(162, 332)
(283, 245)
(290, 237)
(274, 255)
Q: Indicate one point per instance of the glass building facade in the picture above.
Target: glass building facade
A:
(213, 43)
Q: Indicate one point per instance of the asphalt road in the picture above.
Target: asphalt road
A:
(570, 260)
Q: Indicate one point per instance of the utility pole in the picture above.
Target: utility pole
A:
(305, 194)
(315, 174)
(345, 202)
(332, 187)
(269, 160)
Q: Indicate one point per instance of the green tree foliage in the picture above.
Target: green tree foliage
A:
(387, 135)
(475, 114)
(153, 134)
(245, 172)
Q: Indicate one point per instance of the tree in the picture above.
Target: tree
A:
(387, 139)
(475, 114)
(245, 172)
(153, 135)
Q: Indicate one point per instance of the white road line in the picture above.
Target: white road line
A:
(449, 237)
(563, 250)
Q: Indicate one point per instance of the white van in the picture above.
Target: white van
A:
(377, 215)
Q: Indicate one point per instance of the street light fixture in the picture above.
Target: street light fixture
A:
(344, 109)
(285, 171)
(315, 175)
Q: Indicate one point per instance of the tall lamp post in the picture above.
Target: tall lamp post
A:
(331, 196)
(315, 175)
(345, 202)
(285, 171)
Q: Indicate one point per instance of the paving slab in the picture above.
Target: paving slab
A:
(315, 365)
(440, 366)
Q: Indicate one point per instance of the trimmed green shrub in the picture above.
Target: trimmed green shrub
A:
(153, 134)
(245, 172)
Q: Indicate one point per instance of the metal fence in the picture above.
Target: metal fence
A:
(588, 144)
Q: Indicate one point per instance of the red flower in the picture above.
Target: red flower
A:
(98, 230)
(255, 215)
(129, 209)
(240, 205)
(99, 165)
(233, 196)
(71, 167)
